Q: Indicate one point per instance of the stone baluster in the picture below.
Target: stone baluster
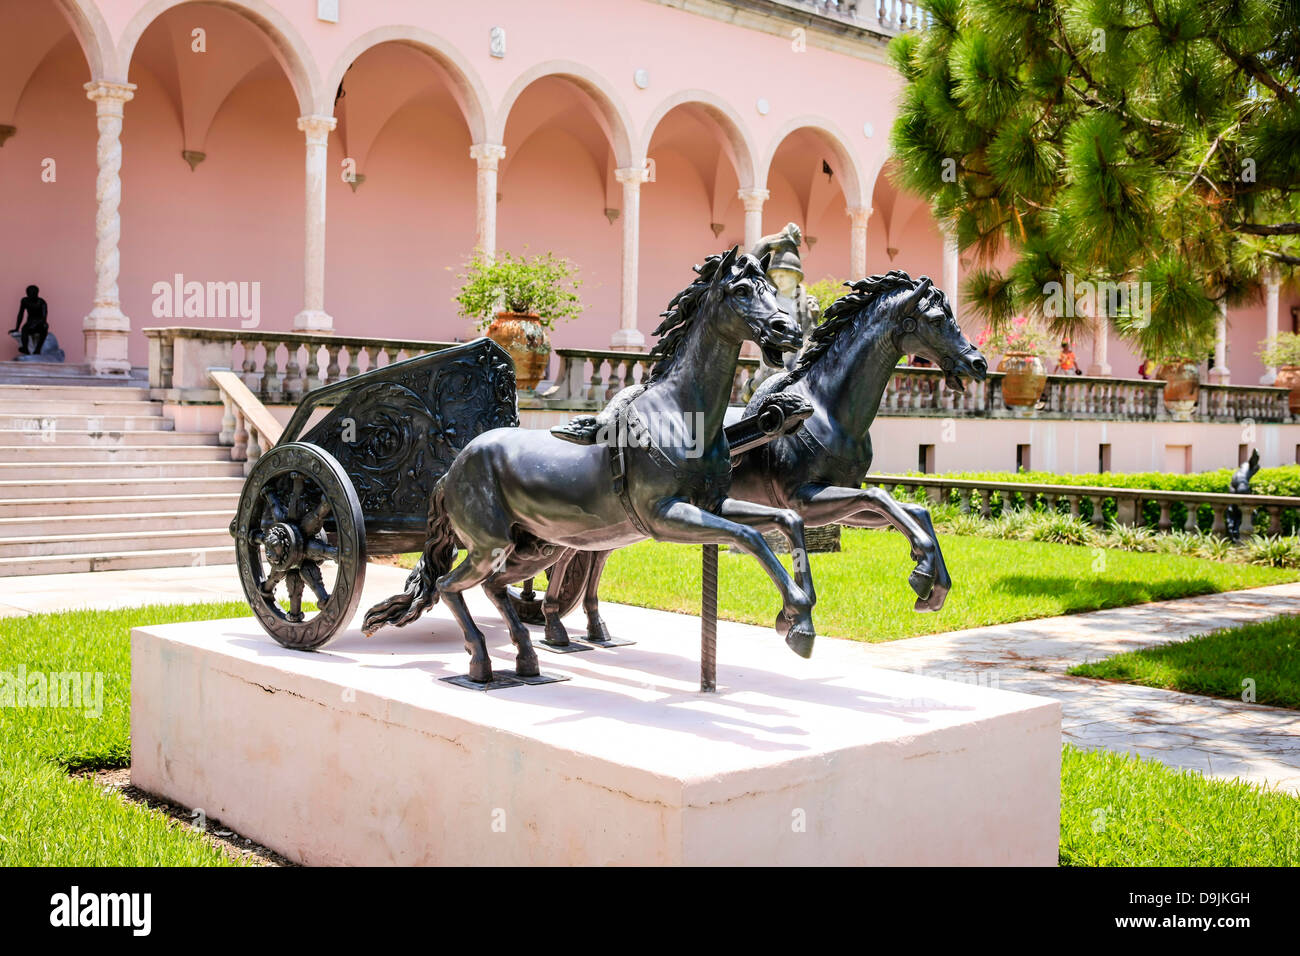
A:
(1164, 523)
(1274, 519)
(1190, 523)
(1220, 526)
(313, 367)
(354, 362)
(272, 385)
(249, 367)
(1247, 521)
(227, 433)
(595, 387)
(963, 496)
(239, 439)
(1074, 505)
(1097, 519)
(292, 374)
(332, 369)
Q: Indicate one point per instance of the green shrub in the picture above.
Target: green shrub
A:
(1273, 551)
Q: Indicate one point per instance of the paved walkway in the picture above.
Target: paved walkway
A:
(1216, 737)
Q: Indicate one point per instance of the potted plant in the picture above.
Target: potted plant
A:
(1283, 353)
(516, 300)
(1022, 346)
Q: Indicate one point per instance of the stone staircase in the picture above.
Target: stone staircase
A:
(93, 478)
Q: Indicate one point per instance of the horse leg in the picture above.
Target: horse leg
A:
(876, 508)
(525, 655)
(784, 520)
(556, 633)
(680, 521)
(475, 569)
(596, 629)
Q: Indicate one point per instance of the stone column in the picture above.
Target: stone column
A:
(106, 329)
(859, 216)
(1220, 375)
(1272, 290)
(628, 335)
(1100, 347)
(951, 271)
(313, 317)
(753, 200)
(487, 155)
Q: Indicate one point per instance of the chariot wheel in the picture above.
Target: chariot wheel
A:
(299, 528)
(571, 591)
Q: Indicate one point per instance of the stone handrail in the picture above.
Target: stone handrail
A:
(278, 367)
(1128, 501)
(247, 427)
(893, 16)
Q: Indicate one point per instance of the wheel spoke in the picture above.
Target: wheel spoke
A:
(311, 571)
(320, 551)
(277, 509)
(268, 586)
(295, 496)
(294, 582)
(315, 519)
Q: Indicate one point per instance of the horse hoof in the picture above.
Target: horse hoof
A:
(480, 672)
(556, 635)
(921, 583)
(527, 666)
(598, 632)
(800, 640)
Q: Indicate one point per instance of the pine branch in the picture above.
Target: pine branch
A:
(1284, 258)
(1259, 229)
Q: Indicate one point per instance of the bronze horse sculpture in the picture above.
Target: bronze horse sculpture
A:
(514, 497)
(817, 470)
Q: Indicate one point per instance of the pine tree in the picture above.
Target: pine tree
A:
(1109, 140)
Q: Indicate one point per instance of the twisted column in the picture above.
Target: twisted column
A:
(859, 216)
(1220, 374)
(1273, 289)
(313, 316)
(106, 329)
(487, 155)
(952, 271)
(628, 335)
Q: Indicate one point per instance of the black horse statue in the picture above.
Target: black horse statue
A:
(515, 496)
(818, 468)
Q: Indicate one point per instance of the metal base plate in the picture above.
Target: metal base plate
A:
(612, 642)
(569, 648)
(500, 681)
(542, 678)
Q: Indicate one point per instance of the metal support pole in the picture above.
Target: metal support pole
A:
(709, 622)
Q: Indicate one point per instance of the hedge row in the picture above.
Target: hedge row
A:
(1267, 481)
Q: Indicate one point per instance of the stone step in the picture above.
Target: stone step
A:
(143, 524)
(59, 471)
(160, 489)
(40, 424)
(116, 561)
(112, 505)
(37, 407)
(111, 454)
(66, 437)
(118, 542)
(50, 373)
(72, 393)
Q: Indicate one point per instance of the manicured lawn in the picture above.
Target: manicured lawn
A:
(1118, 810)
(1115, 810)
(863, 593)
(1217, 664)
(46, 817)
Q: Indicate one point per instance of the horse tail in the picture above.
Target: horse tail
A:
(421, 591)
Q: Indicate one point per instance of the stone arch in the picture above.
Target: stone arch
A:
(466, 87)
(851, 176)
(291, 52)
(92, 33)
(612, 114)
(744, 154)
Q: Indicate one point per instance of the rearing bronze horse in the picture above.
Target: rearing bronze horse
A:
(818, 469)
(513, 495)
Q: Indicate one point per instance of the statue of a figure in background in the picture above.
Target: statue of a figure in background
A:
(1240, 485)
(786, 273)
(35, 343)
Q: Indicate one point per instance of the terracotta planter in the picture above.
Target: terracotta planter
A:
(1288, 376)
(1182, 388)
(1025, 379)
(525, 338)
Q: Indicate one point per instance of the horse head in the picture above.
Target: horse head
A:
(925, 326)
(746, 306)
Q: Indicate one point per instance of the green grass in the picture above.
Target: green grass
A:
(48, 818)
(1217, 664)
(1118, 810)
(863, 592)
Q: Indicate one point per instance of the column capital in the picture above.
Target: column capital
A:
(1272, 278)
(317, 127)
(632, 174)
(754, 198)
(103, 92)
(858, 215)
(487, 155)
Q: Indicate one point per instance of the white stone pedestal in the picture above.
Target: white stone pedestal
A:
(359, 754)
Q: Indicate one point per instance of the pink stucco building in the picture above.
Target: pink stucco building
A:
(335, 161)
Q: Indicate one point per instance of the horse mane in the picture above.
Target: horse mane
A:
(844, 311)
(679, 318)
